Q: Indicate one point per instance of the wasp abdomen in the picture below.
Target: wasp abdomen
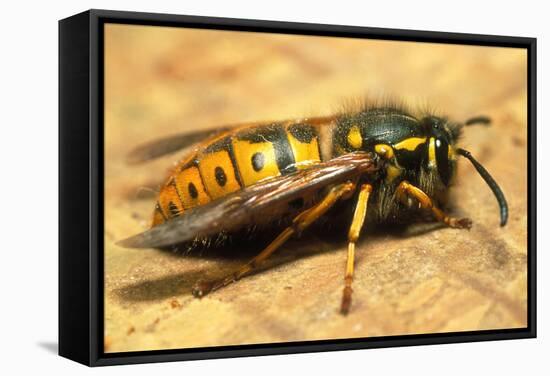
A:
(234, 160)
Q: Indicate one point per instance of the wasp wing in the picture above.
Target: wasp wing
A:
(250, 205)
(167, 145)
(170, 144)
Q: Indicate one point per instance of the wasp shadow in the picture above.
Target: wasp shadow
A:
(323, 238)
(229, 256)
(160, 288)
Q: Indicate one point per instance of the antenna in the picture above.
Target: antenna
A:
(503, 205)
(478, 120)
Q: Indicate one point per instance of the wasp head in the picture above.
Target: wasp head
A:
(440, 153)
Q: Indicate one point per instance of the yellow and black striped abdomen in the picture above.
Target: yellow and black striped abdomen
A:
(234, 160)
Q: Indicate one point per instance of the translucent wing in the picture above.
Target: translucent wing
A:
(170, 144)
(183, 141)
(250, 205)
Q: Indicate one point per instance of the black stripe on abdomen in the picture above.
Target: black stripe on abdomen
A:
(225, 144)
(276, 135)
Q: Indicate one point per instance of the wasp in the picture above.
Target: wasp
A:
(385, 160)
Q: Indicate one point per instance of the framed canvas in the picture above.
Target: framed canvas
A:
(235, 187)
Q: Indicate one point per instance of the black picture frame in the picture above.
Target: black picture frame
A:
(81, 186)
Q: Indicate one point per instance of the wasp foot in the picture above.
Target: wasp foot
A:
(201, 288)
(465, 223)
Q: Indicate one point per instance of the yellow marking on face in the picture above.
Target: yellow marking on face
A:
(191, 188)
(354, 137)
(431, 153)
(383, 150)
(305, 153)
(170, 202)
(256, 161)
(218, 173)
(392, 172)
(410, 143)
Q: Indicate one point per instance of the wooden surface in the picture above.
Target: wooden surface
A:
(424, 279)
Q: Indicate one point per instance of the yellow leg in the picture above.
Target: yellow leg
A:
(353, 235)
(407, 189)
(300, 223)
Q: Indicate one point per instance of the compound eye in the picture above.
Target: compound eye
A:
(442, 158)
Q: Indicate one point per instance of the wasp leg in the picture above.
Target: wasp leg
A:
(299, 224)
(354, 231)
(406, 189)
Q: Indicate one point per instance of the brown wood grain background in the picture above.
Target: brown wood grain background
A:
(160, 81)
